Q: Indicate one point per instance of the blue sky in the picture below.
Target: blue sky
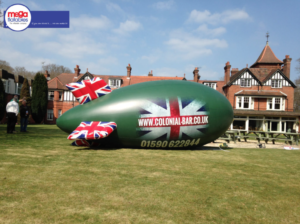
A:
(169, 37)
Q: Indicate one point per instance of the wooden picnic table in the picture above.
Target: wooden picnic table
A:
(269, 136)
(292, 137)
(229, 136)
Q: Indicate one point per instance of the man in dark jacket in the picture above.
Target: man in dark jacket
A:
(24, 113)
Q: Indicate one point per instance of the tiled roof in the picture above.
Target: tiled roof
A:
(232, 78)
(60, 81)
(56, 84)
(262, 73)
(259, 93)
(267, 56)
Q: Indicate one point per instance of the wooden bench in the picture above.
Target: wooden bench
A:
(244, 137)
(262, 138)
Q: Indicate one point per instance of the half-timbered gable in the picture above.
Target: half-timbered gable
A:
(247, 79)
(277, 79)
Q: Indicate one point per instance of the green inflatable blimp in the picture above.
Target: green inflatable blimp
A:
(157, 114)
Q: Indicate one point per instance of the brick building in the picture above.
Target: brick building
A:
(262, 95)
(60, 99)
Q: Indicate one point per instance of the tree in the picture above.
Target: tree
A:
(25, 93)
(55, 70)
(23, 72)
(2, 100)
(6, 66)
(39, 98)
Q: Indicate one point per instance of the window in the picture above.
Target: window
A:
(114, 83)
(60, 96)
(18, 87)
(59, 112)
(276, 83)
(245, 82)
(50, 95)
(50, 115)
(210, 84)
(239, 102)
(244, 102)
(275, 103)
(5, 85)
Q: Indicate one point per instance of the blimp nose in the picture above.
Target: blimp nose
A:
(67, 121)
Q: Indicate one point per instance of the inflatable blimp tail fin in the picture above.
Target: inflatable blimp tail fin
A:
(88, 90)
(92, 130)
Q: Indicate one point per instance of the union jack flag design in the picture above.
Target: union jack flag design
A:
(169, 119)
(83, 142)
(91, 130)
(88, 90)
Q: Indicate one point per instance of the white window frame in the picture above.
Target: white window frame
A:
(114, 83)
(60, 96)
(276, 83)
(245, 81)
(241, 100)
(50, 115)
(59, 112)
(49, 98)
(18, 87)
(5, 85)
(212, 85)
(273, 100)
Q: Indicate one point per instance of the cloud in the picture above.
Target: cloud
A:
(73, 45)
(214, 32)
(111, 7)
(164, 5)
(127, 27)
(18, 58)
(217, 18)
(187, 46)
(87, 22)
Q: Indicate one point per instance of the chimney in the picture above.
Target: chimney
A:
(128, 71)
(150, 73)
(287, 66)
(47, 75)
(234, 70)
(227, 72)
(196, 74)
(77, 71)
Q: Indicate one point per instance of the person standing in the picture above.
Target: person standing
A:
(12, 110)
(16, 98)
(24, 113)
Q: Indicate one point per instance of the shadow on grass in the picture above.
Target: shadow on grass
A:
(107, 148)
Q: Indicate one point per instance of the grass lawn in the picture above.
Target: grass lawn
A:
(43, 179)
